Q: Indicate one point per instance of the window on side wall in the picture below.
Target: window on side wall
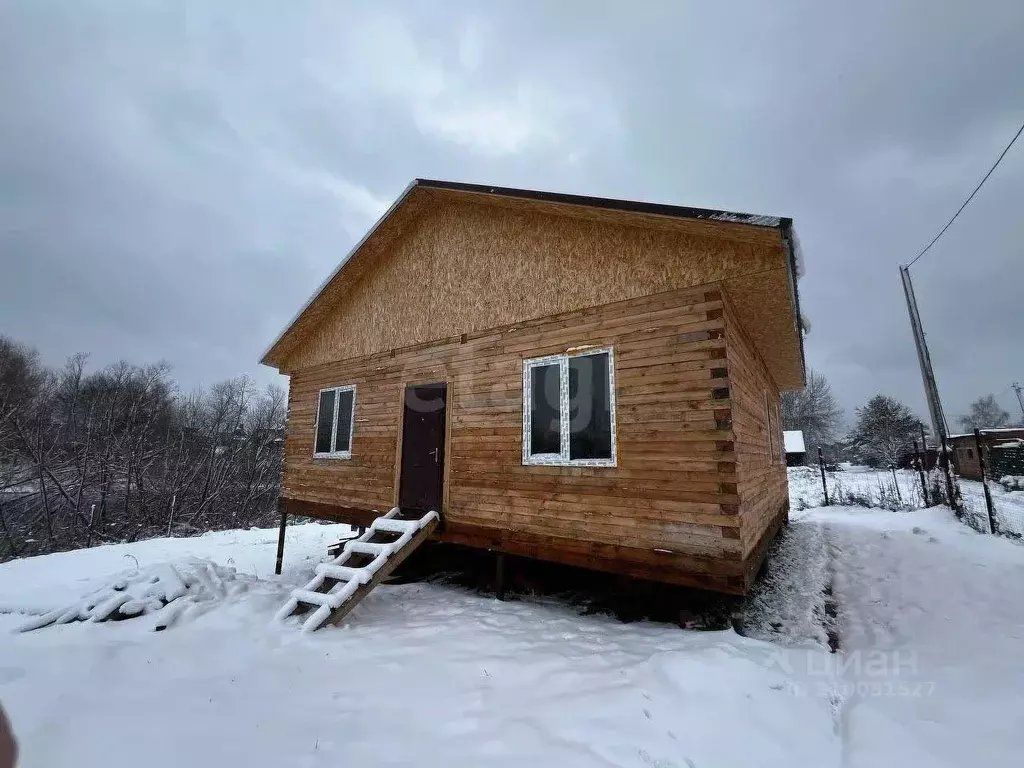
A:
(780, 454)
(335, 417)
(569, 409)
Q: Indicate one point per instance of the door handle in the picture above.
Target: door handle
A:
(436, 452)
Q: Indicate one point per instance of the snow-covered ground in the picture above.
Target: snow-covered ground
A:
(865, 486)
(928, 617)
(881, 488)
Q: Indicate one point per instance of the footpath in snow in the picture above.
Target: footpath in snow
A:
(929, 615)
(931, 627)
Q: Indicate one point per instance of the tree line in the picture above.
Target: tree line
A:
(122, 454)
(884, 429)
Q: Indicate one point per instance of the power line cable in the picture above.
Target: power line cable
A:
(968, 200)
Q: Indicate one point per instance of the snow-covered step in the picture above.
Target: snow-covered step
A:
(366, 548)
(311, 597)
(351, 584)
(395, 526)
(343, 573)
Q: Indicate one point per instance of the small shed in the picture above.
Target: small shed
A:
(587, 381)
(964, 451)
(796, 452)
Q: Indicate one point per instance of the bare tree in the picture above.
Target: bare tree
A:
(124, 443)
(985, 413)
(812, 410)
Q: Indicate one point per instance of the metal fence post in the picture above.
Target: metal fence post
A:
(992, 527)
(821, 466)
(920, 473)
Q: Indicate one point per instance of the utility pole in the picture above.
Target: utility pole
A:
(1020, 398)
(931, 390)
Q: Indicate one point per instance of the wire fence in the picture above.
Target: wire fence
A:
(990, 504)
(894, 489)
(994, 501)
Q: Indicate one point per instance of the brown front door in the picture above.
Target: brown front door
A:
(423, 421)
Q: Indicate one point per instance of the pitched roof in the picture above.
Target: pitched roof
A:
(388, 227)
(629, 206)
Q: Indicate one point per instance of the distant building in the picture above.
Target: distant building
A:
(908, 459)
(796, 452)
(1002, 449)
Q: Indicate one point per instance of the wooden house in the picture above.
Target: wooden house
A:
(587, 381)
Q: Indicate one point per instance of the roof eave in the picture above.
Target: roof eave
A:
(786, 227)
(627, 206)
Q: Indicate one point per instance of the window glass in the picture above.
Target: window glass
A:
(343, 432)
(590, 423)
(545, 426)
(325, 421)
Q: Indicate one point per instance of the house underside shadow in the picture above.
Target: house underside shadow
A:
(589, 592)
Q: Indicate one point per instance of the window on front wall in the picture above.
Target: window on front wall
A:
(335, 416)
(569, 409)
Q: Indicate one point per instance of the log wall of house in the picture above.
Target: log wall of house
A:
(672, 508)
(760, 455)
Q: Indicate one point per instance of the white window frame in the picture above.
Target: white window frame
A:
(335, 454)
(561, 459)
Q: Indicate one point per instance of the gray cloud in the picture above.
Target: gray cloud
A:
(176, 178)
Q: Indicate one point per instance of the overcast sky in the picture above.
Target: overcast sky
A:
(177, 177)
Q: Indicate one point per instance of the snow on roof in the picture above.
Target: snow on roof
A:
(994, 431)
(794, 441)
(745, 218)
(1018, 443)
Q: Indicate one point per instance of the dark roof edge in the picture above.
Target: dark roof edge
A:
(630, 206)
(786, 225)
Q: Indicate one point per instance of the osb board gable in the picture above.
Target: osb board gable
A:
(463, 267)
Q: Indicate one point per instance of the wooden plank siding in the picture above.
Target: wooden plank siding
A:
(674, 489)
(760, 458)
(692, 495)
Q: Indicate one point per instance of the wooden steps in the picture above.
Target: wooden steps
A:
(363, 563)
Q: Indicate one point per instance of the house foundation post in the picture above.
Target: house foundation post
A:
(280, 538)
(499, 577)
